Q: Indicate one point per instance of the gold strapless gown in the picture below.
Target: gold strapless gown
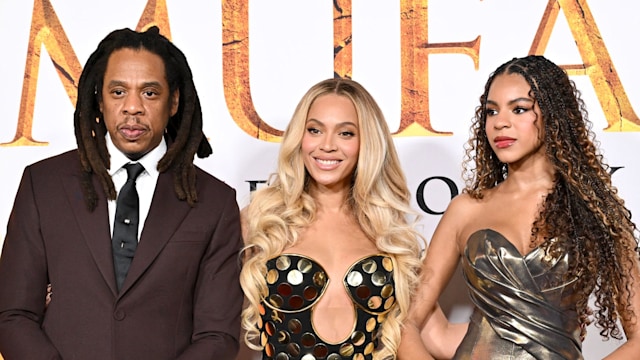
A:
(524, 306)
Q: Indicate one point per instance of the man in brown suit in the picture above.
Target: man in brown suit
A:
(178, 297)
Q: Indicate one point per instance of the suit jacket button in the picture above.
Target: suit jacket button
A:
(119, 315)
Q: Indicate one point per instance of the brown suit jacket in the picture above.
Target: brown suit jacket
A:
(180, 300)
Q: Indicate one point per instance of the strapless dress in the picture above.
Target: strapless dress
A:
(524, 305)
(296, 283)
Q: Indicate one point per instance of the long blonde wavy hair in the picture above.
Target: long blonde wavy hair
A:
(379, 199)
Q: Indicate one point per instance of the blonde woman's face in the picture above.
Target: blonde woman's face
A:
(331, 142)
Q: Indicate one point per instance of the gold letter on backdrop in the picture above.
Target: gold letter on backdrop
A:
(235, 71)
(597, 62)
(235, 63)
(415, 50)
(47, 30)
(342, 36)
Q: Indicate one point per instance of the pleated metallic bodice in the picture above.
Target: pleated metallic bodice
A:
(296, 283)
(524, 305)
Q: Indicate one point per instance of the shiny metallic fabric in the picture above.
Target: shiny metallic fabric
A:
(524, 305)
(296, 283)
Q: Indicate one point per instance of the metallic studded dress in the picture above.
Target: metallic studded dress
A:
(296, 284)
(524, 305)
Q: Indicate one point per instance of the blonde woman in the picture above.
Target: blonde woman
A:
(331, 258)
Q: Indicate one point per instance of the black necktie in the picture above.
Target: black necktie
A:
(125, 226)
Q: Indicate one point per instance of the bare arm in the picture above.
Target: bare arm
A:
(442, 258)
(440, 336)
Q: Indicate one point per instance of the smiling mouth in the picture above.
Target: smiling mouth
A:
(328, 162)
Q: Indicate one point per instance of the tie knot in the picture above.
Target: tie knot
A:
(133, 170)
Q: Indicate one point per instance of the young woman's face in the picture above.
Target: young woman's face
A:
(514, 121)
(331, 142)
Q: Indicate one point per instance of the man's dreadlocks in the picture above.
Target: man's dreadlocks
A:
(184, 130)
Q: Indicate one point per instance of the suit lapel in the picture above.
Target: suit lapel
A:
(94, 226)
(165, 216)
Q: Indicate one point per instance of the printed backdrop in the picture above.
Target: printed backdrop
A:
(425, 62)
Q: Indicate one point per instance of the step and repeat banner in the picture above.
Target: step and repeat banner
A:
(425, 62)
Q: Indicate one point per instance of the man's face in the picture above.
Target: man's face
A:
(136, 103)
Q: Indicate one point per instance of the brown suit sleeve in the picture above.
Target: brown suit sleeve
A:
(218, 296)
(23, 282)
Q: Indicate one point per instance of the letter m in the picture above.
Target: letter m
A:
(46, 30)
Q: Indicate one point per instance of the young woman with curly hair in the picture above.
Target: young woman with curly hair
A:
(332, 257)
(538, 229)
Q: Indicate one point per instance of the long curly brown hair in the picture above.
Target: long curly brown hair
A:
(583, 210)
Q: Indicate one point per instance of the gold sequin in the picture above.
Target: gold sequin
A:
(304, 266)
(387, 290)
(275, 316)
(283, 337)
(389, 303)
(269, 350)
(320, 351)
(296, 302)
(378, 278)
(319, 279)
(263, 338)
(368, 349)
(283, 263)
(293, 349)
(369, 266)
(387, 264)
(363, 292)
(308, 340)
(354, 278)
(270, 328)
(295, 277)
(285, 289)
(346, 349)
(276, 301)
(371, 324)
(374, 302)
(294, 326)
(357, 338)
(310, 293)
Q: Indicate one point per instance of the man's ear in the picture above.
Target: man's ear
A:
(175, 101)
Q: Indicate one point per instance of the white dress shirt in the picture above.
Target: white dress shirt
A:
(145, 183)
